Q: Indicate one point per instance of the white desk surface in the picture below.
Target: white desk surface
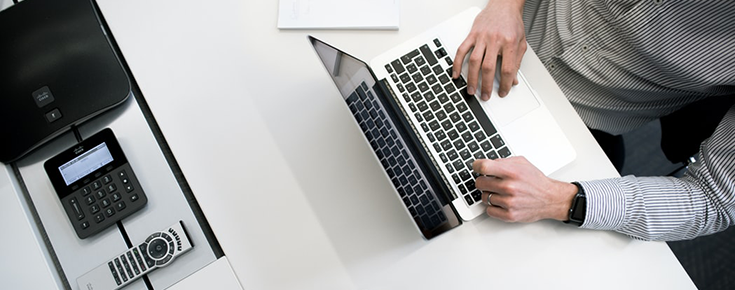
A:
(291, 188)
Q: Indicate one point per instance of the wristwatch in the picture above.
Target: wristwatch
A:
(579, 207)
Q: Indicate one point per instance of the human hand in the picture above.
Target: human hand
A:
(519, 192)
(497, 32)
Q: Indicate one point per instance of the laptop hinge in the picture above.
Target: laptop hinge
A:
(425, 160)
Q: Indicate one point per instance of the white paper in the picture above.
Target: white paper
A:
(338, 14)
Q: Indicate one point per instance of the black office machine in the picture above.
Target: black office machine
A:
(95, 183)
(57, 69)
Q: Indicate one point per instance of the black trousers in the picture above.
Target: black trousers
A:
(681, 132)
(613, 146)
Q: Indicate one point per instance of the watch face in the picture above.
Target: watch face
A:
(580, 208)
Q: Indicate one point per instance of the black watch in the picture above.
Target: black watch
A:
(579, 207)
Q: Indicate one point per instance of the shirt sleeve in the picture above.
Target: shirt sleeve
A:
(699, 203)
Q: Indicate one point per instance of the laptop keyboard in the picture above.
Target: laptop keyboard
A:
(455, 125)
(395, 158)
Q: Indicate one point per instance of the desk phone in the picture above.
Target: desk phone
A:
(95, 183)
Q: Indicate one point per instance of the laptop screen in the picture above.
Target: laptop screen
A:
(394, 146)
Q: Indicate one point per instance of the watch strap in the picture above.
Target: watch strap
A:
(578, 210)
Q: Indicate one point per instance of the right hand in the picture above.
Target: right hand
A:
(497, 32)
(521, 192)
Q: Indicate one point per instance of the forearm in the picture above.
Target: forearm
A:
(667, 208)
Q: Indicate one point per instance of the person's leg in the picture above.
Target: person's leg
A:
(613, 147)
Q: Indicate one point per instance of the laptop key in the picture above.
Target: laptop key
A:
(398, 66)
(423, 86)
(419, 61)
(465, 175)
(467, 136)
(409, 56)
(497, 141)
(428, 116)
(447, 124)
(452, 155)
(435, 105)
(446, 145)
(434, 125)
(448, 107)
(453, 134)
(437, 89)
(425, 70)
(461, 127)
(425, 127)
(480, 136)
(449, 87)
(437, 147)
(456, 98)
(504, 152)
(444, 79)
(458, 144)
(440, 115)
(428, 55)
(465, 154)
(406, 97)
(449, 61)
(440, 53)
(492, 155)
(440, 135)
(438, 70)
(469, 200)
(473, 146)
(405, 78)
(479, 155)
(412, 210)
(422, 106)
(429, 96)
(476, 195)
(400, 88)
(444, 99)
(458, 165)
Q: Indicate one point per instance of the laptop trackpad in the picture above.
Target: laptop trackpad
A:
(519, 102)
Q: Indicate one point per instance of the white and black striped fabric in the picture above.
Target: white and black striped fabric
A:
(624, 63)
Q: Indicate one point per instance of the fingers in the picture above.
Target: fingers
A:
(462, 51)
(498, 211)
(496, 199)
(508, 71)
(488, 74)
(490, 167)
(476, 62)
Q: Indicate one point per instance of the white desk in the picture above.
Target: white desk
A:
(292, 190)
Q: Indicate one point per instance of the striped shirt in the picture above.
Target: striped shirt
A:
(624, 63)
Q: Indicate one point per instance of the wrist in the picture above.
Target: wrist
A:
(516, 5)
(565, 193)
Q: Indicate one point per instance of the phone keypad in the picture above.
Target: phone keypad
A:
(100, 202)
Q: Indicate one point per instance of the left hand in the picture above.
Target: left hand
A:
(519, 192)
(497, 32)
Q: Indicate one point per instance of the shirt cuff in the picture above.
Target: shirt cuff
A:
(605, 204)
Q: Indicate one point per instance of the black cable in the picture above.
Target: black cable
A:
(77, 135)
(15, 1)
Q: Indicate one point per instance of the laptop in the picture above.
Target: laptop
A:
(426, 131)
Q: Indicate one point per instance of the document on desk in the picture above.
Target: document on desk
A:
(338, 14)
